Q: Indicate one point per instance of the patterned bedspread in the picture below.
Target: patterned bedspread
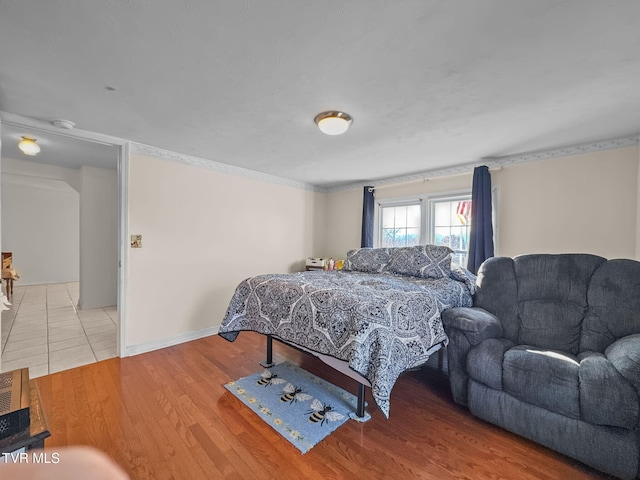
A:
(381, 324)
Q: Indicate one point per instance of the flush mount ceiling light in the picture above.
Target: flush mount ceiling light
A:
(333, 123)
(29, 146)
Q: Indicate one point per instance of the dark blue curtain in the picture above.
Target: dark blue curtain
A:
(481, 241)
(367, 217)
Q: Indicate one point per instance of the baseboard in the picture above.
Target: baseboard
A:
(170, 341)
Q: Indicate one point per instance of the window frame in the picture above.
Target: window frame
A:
(427, 230)
(401, 202)
(431, 206)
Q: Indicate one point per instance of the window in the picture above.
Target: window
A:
(400, 225)
(442, 220)
(450, 222)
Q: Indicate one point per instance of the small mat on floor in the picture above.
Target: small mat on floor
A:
(301, 407)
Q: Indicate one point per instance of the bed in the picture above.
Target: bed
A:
(378, 317)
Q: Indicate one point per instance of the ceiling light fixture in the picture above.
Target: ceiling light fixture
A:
(333, 123)
(29, 146)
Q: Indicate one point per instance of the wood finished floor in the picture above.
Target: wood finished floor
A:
(166, 415)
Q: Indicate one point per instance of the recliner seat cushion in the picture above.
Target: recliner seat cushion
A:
(545, 378)
(586, 387)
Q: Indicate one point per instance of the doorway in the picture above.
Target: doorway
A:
(64, 310)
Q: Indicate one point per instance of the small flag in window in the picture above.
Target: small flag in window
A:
(462, 212)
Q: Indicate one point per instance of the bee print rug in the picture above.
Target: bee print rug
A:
(301, 407)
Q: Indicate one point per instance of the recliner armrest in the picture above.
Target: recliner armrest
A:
(475, 323)
(466, 327)
(624, 354)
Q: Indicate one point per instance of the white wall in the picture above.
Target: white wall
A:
(40, 227)
(583, 203)
(204, 231)
(98, 237)
(343, 223)
(52, 235)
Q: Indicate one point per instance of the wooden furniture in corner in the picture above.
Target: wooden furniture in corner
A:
(8, 273)
(7, 260)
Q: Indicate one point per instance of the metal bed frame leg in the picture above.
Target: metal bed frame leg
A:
(360, 409)
(269, 361)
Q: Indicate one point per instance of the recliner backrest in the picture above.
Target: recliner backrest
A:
(541, 299)
(552, 298)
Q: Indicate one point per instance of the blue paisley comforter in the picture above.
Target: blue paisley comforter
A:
(381, 324)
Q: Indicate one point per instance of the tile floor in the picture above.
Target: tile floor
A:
(45, 331)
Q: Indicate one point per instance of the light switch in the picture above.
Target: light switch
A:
(136, 241)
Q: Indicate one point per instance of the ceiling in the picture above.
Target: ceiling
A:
(429, 84)
(58, 149)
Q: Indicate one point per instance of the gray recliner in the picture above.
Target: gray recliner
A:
(551, 351)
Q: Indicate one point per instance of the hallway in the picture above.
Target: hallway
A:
(45, 331)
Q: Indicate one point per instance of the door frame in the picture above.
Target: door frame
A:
(123, 150)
